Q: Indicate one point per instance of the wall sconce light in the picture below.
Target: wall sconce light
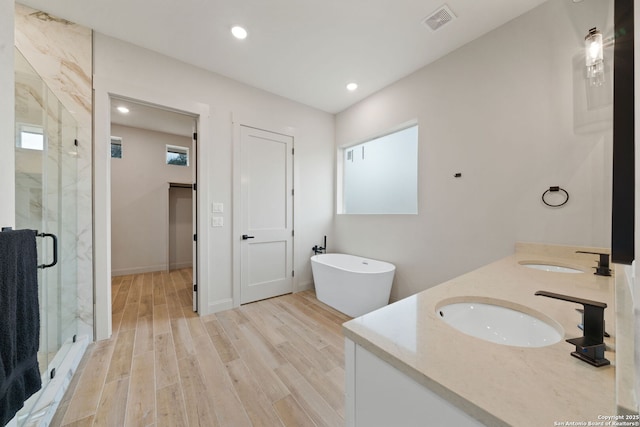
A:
(594, 58)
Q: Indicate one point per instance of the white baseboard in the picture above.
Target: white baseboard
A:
(178, 265)
(221, 305)
(306, 286)
(138, 270)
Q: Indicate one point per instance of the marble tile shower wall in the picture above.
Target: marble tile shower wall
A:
(61, 53)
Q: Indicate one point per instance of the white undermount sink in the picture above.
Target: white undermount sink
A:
(498, 324)
(549, 267)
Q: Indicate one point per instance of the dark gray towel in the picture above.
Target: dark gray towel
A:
(19, 321)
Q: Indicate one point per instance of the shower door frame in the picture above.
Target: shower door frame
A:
(49, 174)
(52, 172)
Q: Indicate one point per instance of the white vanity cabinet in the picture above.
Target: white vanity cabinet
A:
(379, 395)
(406, 367)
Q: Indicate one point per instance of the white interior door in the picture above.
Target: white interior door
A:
(267, 214)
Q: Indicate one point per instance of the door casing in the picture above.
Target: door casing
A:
(255, 121)
(267, 223)
(104, 90)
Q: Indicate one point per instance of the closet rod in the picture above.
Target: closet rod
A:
(179, 185)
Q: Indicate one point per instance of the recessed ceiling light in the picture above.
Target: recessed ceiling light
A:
(123, 110)
(352, 86)
(239, 32)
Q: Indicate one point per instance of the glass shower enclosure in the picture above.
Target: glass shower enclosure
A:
(46, 200)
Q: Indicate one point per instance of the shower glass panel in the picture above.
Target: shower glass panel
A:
(46, 196)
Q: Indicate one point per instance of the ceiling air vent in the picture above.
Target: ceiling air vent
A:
(440, 17)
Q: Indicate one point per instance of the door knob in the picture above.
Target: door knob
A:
(245, 237)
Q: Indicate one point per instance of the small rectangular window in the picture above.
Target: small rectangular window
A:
(116, 147)
(380, 176)
(30, 137)
(177, 155)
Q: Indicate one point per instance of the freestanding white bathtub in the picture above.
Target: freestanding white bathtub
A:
(352, 284)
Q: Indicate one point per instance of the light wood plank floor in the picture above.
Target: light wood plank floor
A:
(277, 362)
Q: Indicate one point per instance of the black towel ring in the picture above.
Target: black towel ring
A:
(554, 190)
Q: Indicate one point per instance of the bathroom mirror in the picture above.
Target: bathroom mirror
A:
(604, 112)
(623, 214)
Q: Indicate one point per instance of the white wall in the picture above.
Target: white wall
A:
(7, 114)
(508, 111)
(180, 227)
(140, 199)
(142, 74)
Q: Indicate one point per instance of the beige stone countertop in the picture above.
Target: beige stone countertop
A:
(498, 384)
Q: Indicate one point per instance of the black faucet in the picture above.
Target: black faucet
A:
(590, 347)
(581, 324)
(320, 249)
(603, 265)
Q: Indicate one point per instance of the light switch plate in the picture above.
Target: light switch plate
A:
(217, 208)
(217, 221)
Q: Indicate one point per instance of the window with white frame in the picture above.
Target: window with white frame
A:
(116, 147)
(380, 176)
(177, 155)
(30, 137)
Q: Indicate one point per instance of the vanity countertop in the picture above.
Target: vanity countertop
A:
(497, 384)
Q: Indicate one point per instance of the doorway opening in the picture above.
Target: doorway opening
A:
(153, 202)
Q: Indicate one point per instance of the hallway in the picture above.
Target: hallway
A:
(276, 362)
